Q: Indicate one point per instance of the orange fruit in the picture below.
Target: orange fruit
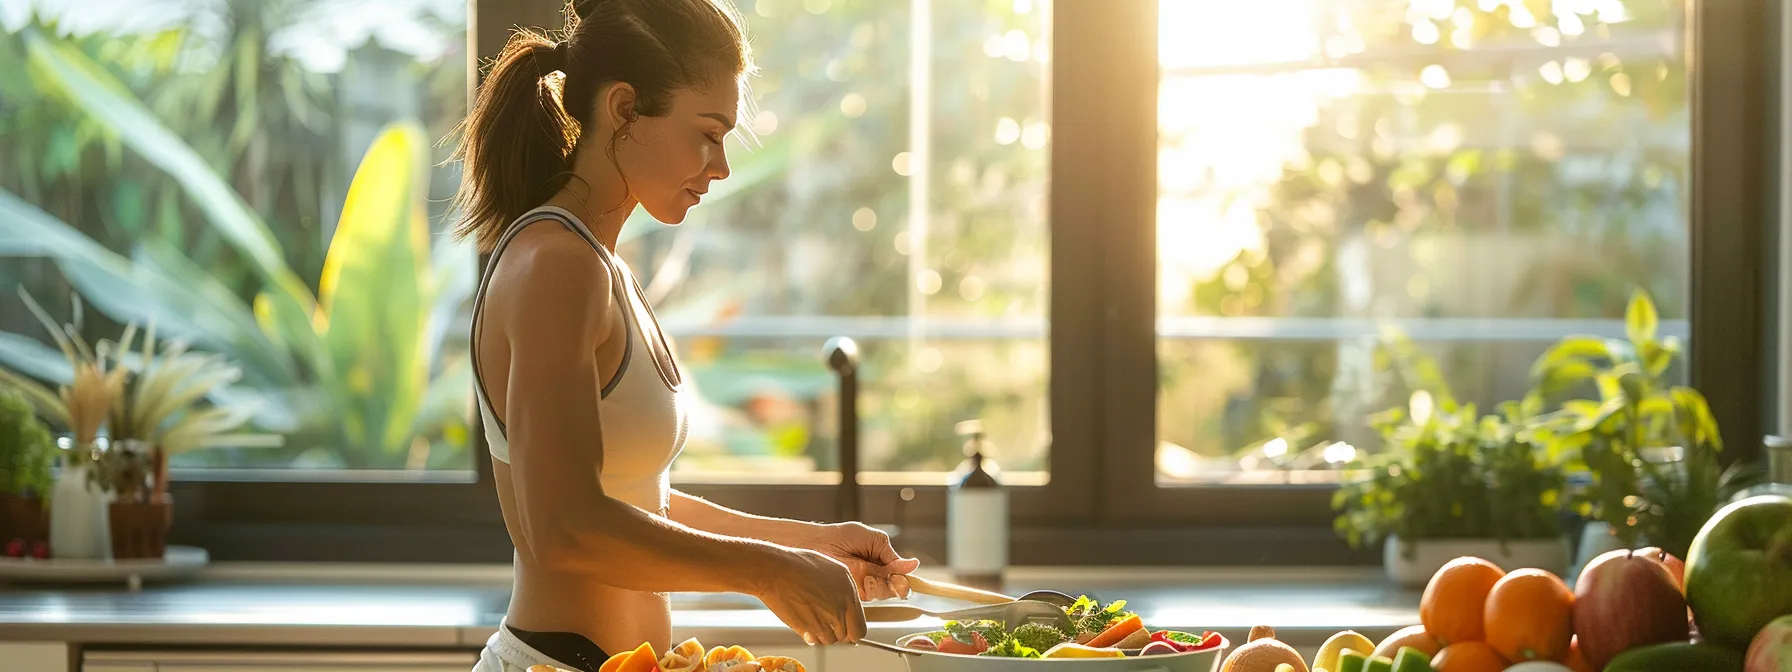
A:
(1454, 602)
(642, 659)
(1468, 657)
(1575, 661)
(1530, 616)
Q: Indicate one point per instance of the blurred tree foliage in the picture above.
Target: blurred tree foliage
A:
(1543, 133)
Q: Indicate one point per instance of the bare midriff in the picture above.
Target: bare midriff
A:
(616, 620)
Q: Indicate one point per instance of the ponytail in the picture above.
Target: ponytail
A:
(516, 143)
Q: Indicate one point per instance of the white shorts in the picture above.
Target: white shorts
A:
(505, 653)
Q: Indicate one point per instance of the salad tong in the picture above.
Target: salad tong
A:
(975, 596)
(1040, 606)
(1012, 615)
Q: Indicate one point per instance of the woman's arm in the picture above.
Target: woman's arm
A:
(708, 516)
(877, 570)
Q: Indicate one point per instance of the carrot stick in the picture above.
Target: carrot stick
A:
(1118, 631)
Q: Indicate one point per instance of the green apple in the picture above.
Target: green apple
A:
(1739, 571)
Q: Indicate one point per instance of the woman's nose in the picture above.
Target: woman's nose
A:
(718, 167)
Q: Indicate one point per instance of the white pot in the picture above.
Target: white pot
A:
(80, 522)
(1431, 555)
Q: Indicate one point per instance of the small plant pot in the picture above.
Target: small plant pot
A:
(23, 517)
(140, 529)
(1412, 563)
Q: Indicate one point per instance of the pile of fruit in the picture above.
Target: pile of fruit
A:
(690, 656)
(1727, 608)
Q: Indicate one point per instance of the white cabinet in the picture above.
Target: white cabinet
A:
(276, 661)
(860, 659)
(34, 656)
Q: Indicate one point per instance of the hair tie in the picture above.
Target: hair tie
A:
(549, 59)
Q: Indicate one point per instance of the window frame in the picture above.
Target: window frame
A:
(1102, 504)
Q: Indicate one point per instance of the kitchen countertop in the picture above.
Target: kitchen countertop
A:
(459, 607)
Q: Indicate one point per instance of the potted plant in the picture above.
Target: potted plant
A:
(159, 413)
(1448, 483)
(1648, 447)
(27, 451)
(152, 408)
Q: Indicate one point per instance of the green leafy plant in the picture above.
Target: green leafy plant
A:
(1445, 473)
(357, 369)
(1650, 446)
(27, 449)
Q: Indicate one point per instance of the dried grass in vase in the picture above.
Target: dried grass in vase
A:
(83, 405)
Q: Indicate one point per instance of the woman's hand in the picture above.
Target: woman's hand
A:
(813, 595)
(877, 571)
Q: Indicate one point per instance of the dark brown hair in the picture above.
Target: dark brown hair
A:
(517, 142)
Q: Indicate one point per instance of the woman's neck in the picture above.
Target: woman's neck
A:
(596, 195)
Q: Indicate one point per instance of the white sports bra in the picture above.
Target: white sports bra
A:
(646, 417)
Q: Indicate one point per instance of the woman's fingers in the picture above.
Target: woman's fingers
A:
(899, 586)
(855, 624)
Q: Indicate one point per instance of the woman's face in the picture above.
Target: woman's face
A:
(670, 161)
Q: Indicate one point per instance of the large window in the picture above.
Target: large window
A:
(1361, 199)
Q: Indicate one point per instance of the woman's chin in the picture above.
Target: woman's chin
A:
(671, 216)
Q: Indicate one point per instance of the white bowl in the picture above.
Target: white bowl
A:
(1207, 660)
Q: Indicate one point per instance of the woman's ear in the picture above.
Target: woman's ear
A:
(618, 106)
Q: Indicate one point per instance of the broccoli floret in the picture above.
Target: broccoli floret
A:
(1012, 648)
(1039, 636)
(992, 631)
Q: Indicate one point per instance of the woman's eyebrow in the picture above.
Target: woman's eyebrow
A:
(729, 123)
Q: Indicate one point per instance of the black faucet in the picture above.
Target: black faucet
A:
(843, 358)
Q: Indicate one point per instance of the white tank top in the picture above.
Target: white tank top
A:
(644, 409)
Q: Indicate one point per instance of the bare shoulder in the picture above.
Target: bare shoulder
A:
(551, 276)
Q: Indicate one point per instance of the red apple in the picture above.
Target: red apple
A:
(1624, 600)
(1675, 566)
(1772, 648)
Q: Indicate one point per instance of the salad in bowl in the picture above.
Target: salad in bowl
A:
(1097, 631)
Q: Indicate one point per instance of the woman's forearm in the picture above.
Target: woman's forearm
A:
(629, 548)
(708, 516)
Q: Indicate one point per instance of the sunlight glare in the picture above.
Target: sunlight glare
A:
(1435, 76)
(1424, 31)
(1205, 33)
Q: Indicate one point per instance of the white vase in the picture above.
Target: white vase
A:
(80, 524)
(1429, 555)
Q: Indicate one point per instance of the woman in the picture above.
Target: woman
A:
(583, 401)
